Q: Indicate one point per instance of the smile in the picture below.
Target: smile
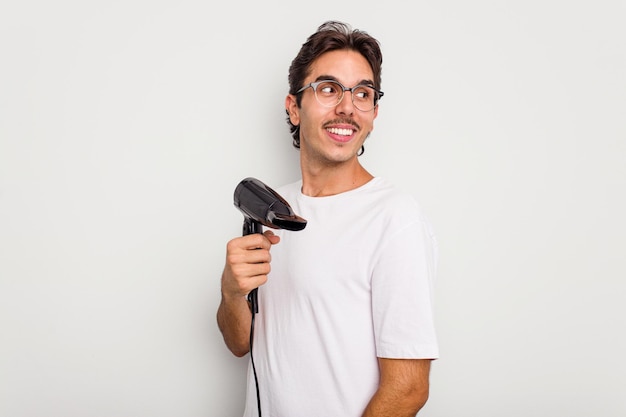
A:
(340, 132)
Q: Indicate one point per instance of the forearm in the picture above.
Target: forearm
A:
(386, 403)
(402, 390)
(234, 321)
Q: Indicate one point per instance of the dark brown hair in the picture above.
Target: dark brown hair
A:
(331, 36)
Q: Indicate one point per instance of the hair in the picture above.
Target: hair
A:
(331, 36)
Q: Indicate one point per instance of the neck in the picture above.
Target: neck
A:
(322, 181)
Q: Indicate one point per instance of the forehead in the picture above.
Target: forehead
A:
(345, 65)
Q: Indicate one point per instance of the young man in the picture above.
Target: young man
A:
(345, 325)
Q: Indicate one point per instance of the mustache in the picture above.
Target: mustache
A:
(342, 122)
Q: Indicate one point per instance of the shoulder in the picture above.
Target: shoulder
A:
(398, 209)
(395, 199)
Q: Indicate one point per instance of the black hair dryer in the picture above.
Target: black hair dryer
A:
(261, 205)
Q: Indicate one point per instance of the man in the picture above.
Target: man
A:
(345, 326)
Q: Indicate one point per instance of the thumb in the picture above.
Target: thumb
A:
(271, 237)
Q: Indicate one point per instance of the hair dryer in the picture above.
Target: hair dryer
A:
(261, 205)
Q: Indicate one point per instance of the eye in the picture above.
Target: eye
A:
(363, 93)
(328, 88)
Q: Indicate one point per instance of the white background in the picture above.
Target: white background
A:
(126, 125)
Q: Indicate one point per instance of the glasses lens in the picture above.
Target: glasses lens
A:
(364, 97)
(329, 93)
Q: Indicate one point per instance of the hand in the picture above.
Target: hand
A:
(247, 263)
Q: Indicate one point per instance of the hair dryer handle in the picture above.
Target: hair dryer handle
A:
(250, 227)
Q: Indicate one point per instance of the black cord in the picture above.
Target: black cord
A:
(254, 307)
(252, 226)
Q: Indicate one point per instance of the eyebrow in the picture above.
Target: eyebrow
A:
(332, 78)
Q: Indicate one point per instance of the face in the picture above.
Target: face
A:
(333, 135)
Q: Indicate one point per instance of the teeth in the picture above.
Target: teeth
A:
(342, 132)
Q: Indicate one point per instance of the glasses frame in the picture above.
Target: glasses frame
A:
(315, 84)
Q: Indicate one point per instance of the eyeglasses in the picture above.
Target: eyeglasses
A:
(329, 93)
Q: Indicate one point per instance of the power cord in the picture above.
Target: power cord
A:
(254, 307)
(251, 226)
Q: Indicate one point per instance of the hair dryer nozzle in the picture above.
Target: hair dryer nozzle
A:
(264, 205)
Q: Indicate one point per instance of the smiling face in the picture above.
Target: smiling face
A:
(333, 135)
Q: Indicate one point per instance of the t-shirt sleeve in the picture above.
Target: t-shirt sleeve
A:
(402, 294)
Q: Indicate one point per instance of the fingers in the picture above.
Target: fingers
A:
(249, 242)
(247, 263)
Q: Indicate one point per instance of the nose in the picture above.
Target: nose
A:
(345, 106)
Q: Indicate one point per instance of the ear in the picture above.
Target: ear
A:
(292, 109)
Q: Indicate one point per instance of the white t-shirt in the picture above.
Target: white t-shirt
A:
(354, 285)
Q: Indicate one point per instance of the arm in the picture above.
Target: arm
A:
(247, 265)
(402, 390)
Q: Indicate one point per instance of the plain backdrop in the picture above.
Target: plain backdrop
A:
(126, 125)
